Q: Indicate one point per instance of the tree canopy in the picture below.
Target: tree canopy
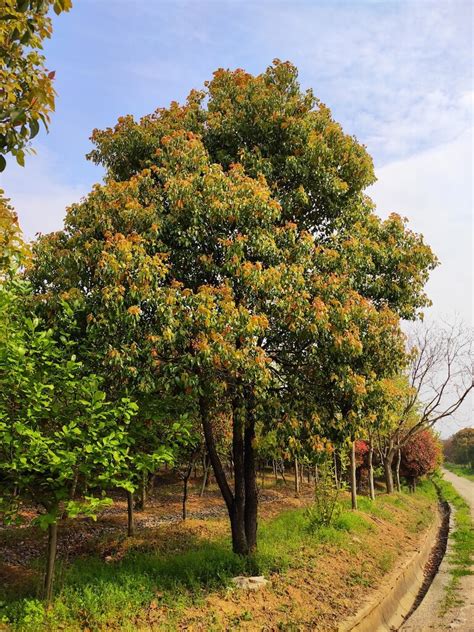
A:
(232, 262)
(27, 94)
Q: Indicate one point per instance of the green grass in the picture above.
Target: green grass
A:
(373, 508)
(461, 470)
(462, 542)
(94, 594)
(97, 595)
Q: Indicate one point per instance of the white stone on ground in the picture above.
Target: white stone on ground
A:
(250, 583)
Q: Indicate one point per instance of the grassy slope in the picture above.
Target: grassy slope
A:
(182, 575)
(461, 470)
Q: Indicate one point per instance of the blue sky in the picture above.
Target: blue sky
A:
(397, 74)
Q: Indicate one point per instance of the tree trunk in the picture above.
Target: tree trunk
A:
(371, 473)
(235, 506)
(275, 472)
(353, 477)
(387, 466)
(131, 521)
(397, 471)
(185, 495)
(140, 502)
(240, 544)
(297, 479)
(151, 484)
(250, 475)
(50, 561)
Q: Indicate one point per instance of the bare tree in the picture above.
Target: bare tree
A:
(440, 379)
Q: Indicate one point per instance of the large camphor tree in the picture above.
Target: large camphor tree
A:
(230, 246)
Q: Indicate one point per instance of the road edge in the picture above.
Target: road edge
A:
(391, 603)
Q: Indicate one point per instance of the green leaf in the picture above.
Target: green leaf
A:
(34, 128)
(22, 5)
(20, 157)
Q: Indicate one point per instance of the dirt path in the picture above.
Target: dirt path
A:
(461, 616)
(463, 486)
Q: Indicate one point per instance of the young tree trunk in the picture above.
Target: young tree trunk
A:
(397, 471)
(130, 516)
(358, 479)
(205, 474)
(353, 477)
(371, 473)
(140, 503)
(151, 484)
(72, 493)
(275, 472)
(50, 561)
(336, 478)
(387, 466)
(297, 479)
(188, 473)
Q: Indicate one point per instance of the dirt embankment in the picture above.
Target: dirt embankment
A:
(327, 578)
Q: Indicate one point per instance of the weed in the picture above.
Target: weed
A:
(385, 561)
(326, 507)
(360, 577)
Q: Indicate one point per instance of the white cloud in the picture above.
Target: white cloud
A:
(396, 74)
(434, 190)
(39, 194)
